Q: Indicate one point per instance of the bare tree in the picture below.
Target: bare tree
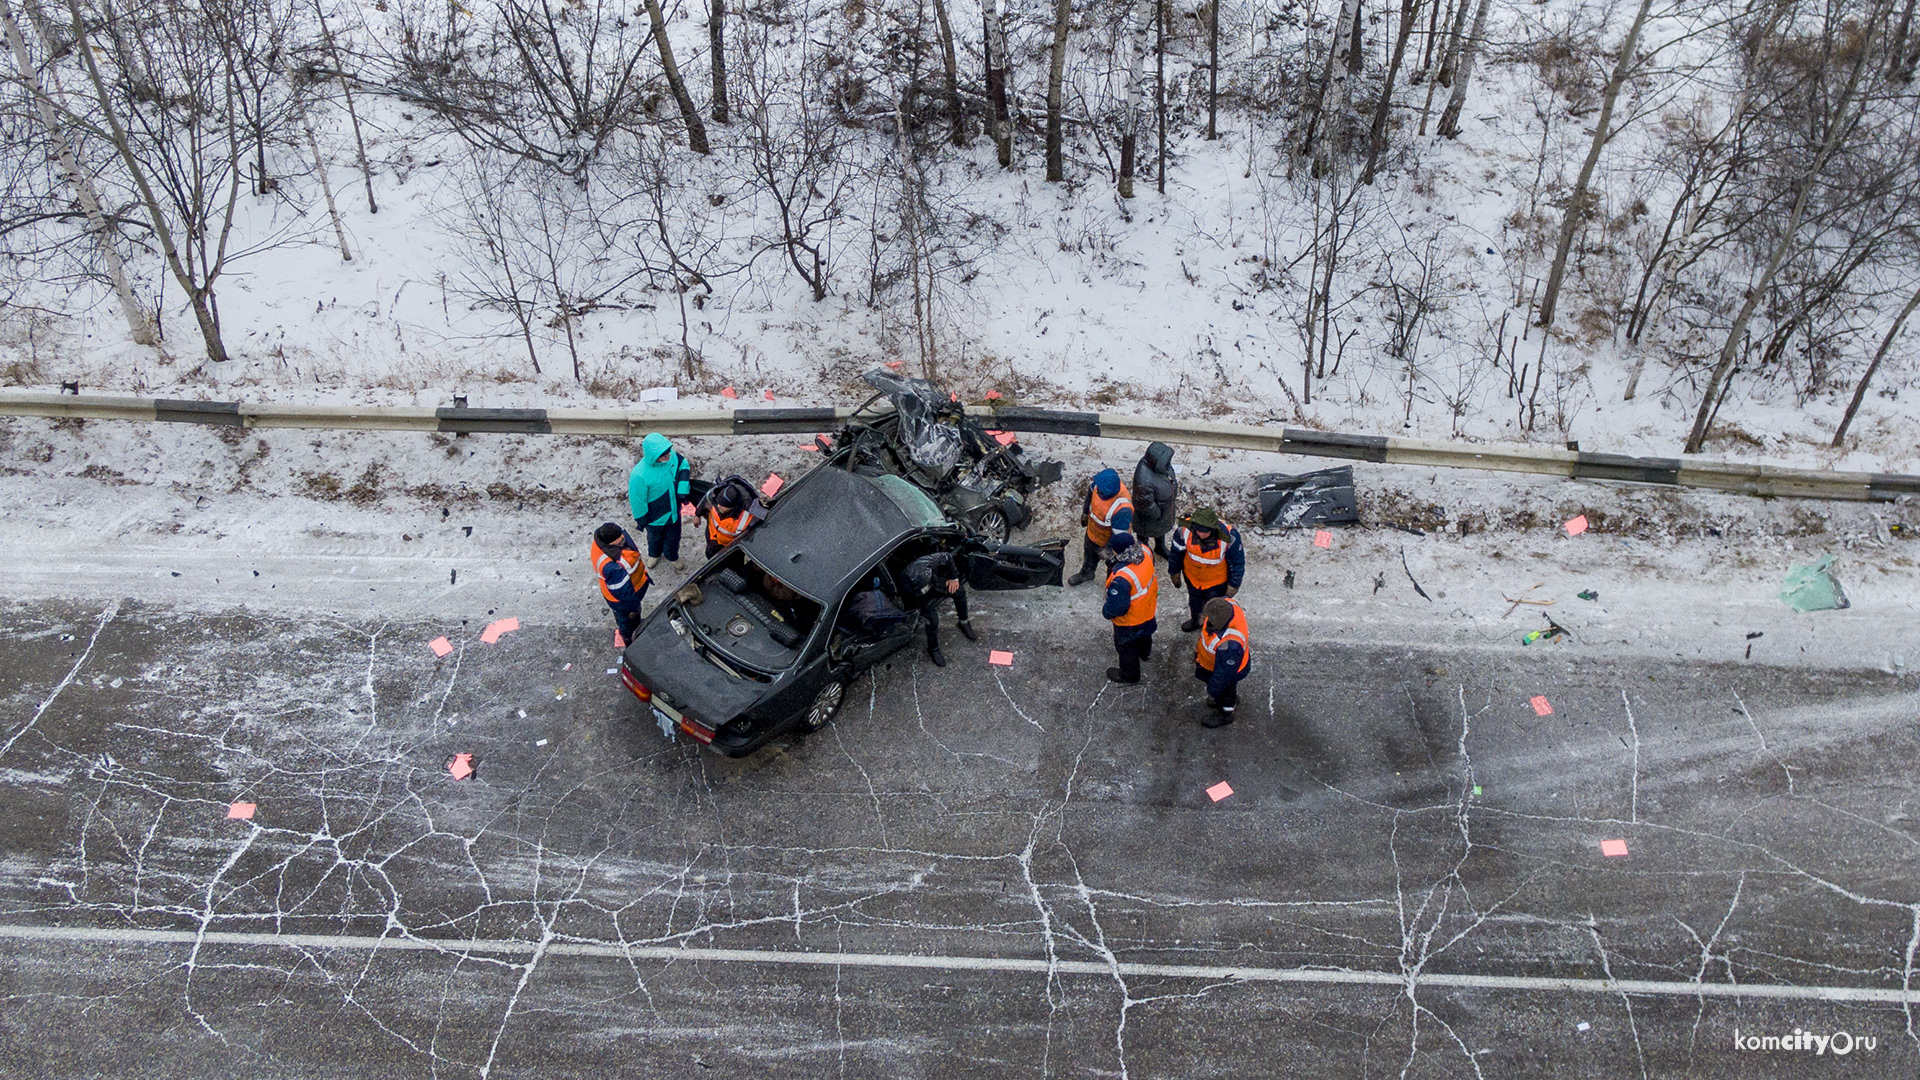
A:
(1133, 37)
(1449, 125)
(1579, 201)
(1843, 114)
(139, 326)
(998, 61)
(950, 68)
(794, 151)
(1377, 131)
(1056, 94)
(1886, 343)
(689, 114)
(717, 59)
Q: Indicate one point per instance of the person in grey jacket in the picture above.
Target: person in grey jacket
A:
(1155, 490)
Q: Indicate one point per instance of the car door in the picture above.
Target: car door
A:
(858, 652)
(1003, 567)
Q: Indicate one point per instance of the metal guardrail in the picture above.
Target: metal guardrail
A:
(1758, 480)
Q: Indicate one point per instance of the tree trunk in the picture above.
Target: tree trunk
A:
(950, 62)
(1327, 106)
(1886, 343)
(1578, 203)
(1356, 44)
(1377, 131)
(696, 131)
(1056, 76)
(717, 47)
(1844, 119)
(196, 293)
(994, 39)
(353, 115)
(1160, 91)
(326, 186)
(1130, 109)
(1469, 49)
(139, 326)
(1213, 69)
(1897, 65)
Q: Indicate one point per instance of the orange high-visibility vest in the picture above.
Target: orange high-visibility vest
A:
(1100, 514)
(629, 559)
(725, 530)
(1211, 640)
(1144, 587)
(1205, 567)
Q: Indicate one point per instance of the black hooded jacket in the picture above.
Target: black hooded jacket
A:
(1154, 491)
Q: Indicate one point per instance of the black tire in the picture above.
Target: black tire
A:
(826, 704)
(993, 526)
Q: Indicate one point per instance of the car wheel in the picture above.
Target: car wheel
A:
(993, 526)
(826, 704)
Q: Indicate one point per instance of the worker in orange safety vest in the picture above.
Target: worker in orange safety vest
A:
(727, 517)
(1209, 559)
(1108, 510)
(1221, 657)
(1133, 601)
(622, 578)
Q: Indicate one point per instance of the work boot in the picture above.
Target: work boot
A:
(1114, 674)
(1221, 717)
(1081, 578)
(653, 561)
(966, 628)
(1190, 626)
(939, 658)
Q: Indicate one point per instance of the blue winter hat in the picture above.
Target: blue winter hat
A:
(1107, 483)
(1120, 541)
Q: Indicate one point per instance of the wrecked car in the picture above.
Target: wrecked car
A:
(912, 429)
(767, 636)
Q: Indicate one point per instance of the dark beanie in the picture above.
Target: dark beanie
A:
(1120, 541)
(728, 497)
(607, 533)
(1218, 612)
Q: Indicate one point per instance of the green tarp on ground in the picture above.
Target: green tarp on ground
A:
(1814, 588)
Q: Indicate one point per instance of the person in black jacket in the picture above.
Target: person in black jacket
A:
(927, 581)
(1154, 491)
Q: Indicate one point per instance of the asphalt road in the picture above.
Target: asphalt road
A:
(974, 871)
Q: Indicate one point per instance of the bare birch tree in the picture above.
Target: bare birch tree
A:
(1449, 125)
(998, 63)
(1056, 92)
(1133, 37)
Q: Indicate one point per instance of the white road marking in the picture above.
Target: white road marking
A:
(610, 950)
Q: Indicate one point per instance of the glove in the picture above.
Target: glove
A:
(1232, 590)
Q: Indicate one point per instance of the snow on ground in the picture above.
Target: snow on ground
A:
(1180, 305)
(377, 524)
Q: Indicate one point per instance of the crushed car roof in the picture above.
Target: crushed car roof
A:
(824, 529)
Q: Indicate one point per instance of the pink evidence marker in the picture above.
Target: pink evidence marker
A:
(491, 635)
(241, 811)
(993, 395)
(768, 394)
(773, 485)
(1577, 525)
(461, 766)
(896, 364)
(440, 646)
(1323, 539)
(1004, 659)
(1219, 791)
(1541, 707)
(729, 392)
(810, 447)
(619, 640)
(1004, 438)
(1613, 848)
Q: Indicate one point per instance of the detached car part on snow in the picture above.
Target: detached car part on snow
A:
(912, 429)
(764, 639)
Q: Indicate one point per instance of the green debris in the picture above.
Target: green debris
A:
(1548, 634)
(1814, 588)
(1588, 595)
(1476, 790)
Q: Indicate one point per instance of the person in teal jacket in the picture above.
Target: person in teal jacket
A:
(656, 487)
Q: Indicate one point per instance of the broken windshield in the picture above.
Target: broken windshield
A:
(933, 444)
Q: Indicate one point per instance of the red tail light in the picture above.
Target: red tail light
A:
(639, 688)
(700, 734)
